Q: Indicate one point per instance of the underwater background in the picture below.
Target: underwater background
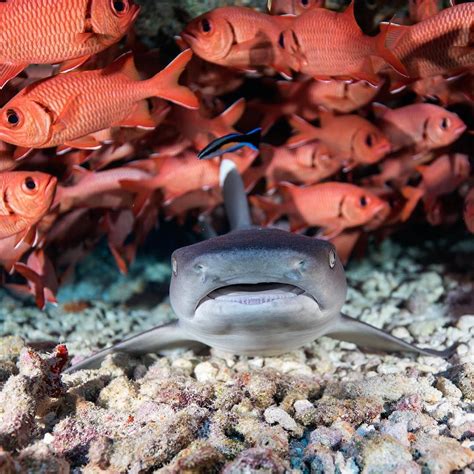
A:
(328, 407)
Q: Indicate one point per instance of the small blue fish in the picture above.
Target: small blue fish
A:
(230, 143)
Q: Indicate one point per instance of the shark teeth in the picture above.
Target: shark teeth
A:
(255, 294)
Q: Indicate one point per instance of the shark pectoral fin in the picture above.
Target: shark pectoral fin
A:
(365, 335)
(158, 339)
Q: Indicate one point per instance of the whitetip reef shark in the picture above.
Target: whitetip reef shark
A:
(257, 292)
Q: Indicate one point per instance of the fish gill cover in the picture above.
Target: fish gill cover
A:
(367, 130)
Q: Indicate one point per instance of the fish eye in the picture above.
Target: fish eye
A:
(206, 25)
(13, 117)
(281, 40)
(363, 201)
(304, 3)
(445, 123)
(120, 6)
(29, 184)
(174, 266)
(369, 140)
(332, 258)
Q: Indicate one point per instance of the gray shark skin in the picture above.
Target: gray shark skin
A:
(255, 291)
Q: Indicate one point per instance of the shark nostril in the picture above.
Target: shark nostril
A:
(199, 267)
(301, 265)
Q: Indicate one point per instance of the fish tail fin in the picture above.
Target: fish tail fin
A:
(165, 83)
(305, 132)
(272, 210)
(35, 280)
(413, 195)
(233, 114)
(255, 173)
(287, 190)
(385, 52)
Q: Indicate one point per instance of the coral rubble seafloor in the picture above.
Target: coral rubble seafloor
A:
(327, 408)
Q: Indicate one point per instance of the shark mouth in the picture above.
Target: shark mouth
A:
(254, 294)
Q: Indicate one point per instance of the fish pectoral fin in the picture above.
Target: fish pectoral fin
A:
(28, 237)
(348, 329)
(139, 118)
(72, 64)
(62, 121)
(84, 143)
(157, 340)
(21, 152)
(330, 232)
(8, 71)
(305, 132)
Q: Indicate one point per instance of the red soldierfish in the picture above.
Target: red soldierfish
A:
(92, 189)
(325, 44)
(305, 99)
(198, 130)
(59, 31)
(178, 175)
(238, 37)
(420, 126)
(25, 197)
(292, 7)
(349, 138)
(441, 177)
(420, 10)
(333, 206)
(68, 108)
(307, 164)
(469, 210)
(441, 44)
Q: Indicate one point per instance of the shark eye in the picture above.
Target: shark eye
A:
(445, 123)
(174, 266)
(13, 118)
(332, 258)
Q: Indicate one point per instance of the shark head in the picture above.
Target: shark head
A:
(256, 291)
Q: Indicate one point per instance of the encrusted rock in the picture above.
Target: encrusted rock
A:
(383, 453)
(439, 455)
(463, 378)
(258, 460)
(275, 414)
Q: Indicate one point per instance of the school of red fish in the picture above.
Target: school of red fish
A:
(99, 138)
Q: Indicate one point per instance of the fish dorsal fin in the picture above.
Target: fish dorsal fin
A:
(232, 114)
(380, 109)
(349, 11)
(124, 64)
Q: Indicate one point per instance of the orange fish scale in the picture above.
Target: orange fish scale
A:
(320, 203)
(434, 46)
(45, 31)
(331, 42)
